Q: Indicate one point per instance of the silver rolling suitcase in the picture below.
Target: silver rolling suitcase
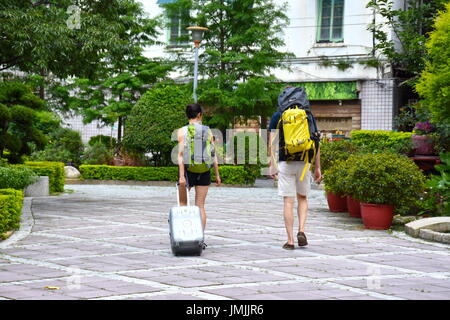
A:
(186, 230)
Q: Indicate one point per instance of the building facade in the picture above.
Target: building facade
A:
(349, 85)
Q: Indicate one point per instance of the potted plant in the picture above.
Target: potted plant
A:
(383, 183)
(423, 139)
(334, 186)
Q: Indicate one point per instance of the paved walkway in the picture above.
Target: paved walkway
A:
(111, 242)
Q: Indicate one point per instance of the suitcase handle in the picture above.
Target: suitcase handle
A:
(178, 194)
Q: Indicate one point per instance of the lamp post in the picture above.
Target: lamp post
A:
(197, 37)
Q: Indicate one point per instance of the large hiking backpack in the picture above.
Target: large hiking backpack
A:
(300, 135)
(198, 149)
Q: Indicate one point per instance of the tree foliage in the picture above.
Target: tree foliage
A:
(434, 82)
(18, 117)
(41, 36)
(159, 112)
(110, 99)
(241, 48)
(410, 27)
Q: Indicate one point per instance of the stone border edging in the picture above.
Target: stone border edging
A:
(26, 224)
(430, 229)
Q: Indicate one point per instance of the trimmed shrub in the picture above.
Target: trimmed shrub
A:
(376, 141)
(334, 176)
(11, 202)
(384, 178)
(16, 177)
(154, 119)
(54, 171)
(332, 151)
(228, 174)
(104, 172)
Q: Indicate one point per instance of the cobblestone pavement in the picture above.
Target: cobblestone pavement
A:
(111, 242)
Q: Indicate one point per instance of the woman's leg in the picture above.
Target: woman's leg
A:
(200, 196)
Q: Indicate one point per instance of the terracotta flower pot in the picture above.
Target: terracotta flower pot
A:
(423, 145)
(377, 216)
(354, 207)
(336, 203)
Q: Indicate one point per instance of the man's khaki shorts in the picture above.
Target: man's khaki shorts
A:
(289, 183)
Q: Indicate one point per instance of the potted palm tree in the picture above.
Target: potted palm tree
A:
(384, 183)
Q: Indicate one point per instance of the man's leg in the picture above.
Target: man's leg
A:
(200, 196)
(289, 218)
(302, 211)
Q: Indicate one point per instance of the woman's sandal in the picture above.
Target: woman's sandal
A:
(288, 246)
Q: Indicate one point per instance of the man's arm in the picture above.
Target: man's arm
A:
(317, 171)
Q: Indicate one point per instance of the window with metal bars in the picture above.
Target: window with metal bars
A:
(176, 26)
(330, 21)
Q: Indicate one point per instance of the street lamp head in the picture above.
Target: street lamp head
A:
(197, 34)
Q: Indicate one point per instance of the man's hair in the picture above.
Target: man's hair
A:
(193, 110)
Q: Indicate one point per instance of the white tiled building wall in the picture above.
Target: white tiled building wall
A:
(377, 99)
(89, 130)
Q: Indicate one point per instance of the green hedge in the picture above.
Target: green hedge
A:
(16, 178)
(104, 172)
(11, 202)
(54, 171)
(228, 174)
(382, 141)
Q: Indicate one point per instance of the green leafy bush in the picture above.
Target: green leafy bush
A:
(11, 202)
(373, 141)
(3, 162)
(332, 151)
(154, 118)
(54, 171)
(228, 174)
(98, 153)
(105, 140)
(333, 178)
(385, 178)
(64, 145)
(439, 188)
(16, 178)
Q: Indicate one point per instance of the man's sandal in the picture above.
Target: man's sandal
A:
(301, 237)
(288, 246)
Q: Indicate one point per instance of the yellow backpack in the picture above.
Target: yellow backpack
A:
(297, 135)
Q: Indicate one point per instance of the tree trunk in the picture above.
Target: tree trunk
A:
(119, 130)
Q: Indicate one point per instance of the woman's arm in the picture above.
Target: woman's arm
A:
(182, 179)
(216, 166)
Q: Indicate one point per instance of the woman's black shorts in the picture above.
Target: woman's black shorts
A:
(198, 179)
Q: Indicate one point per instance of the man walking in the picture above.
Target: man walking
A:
(294, 160)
